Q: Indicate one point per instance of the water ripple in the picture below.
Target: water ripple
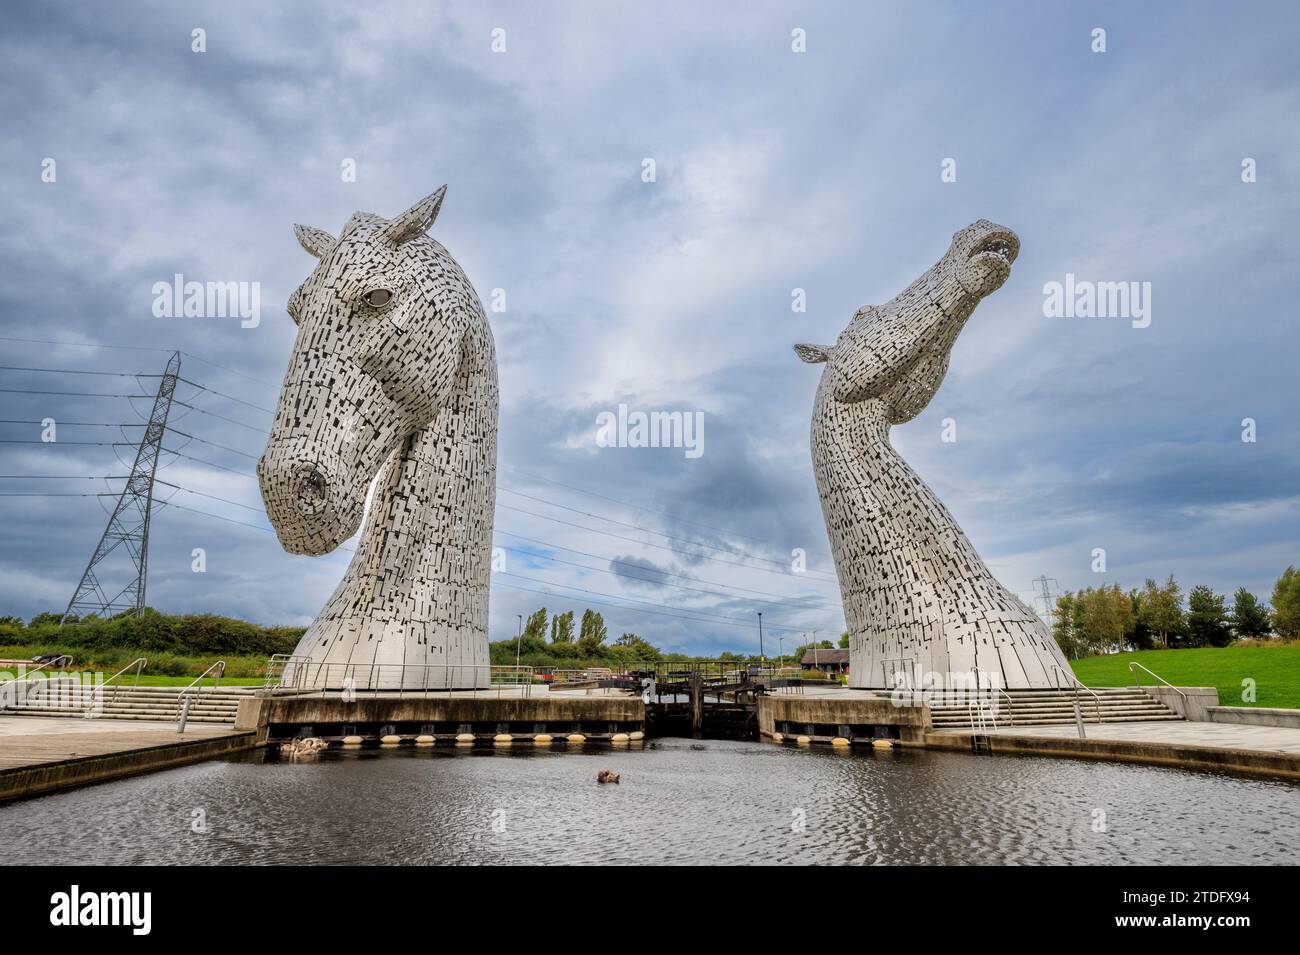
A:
(726, 803)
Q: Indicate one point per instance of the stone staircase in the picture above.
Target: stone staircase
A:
(1054, 707)
(141, 703)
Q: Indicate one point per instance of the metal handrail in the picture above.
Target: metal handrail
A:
(219, 666)
(303, 675)
(1137, 681)
(276, 666)
(139, 664)
(975, 710)
(1079, 686)
(1011, 713)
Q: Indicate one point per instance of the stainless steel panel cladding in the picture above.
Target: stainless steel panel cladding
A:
(393, 380)
(918, 600)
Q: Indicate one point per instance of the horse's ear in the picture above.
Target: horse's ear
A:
(416, 220)
(316, 241)
(813, 353)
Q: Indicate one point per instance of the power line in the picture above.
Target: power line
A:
(56, 494)
(210, 464)
(646, 580)
(213, 414)
(48, 341)
(101, 444)
(546, 517)
(81, 424)
(212, 443)
(76, 371)
(206, 361)
(690, 541)
(633, 540)
(223, 500)
(689, 615)
(655, 570)
(224, 395)
(61, 477)
(69, 394)
(640, 507)
(684, 540)
(687, 541)
(556, 560)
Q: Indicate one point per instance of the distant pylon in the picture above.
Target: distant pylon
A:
(1044, 587)
(128, 525)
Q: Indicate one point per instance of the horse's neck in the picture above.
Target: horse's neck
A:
(877, 507)
(430, 526)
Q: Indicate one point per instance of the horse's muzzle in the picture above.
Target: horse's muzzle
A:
(311, 510)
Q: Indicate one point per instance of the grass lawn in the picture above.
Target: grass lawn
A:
(147, 680)
(1275, 670)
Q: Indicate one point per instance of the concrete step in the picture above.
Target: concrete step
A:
(1038, 721)
(166, 693)
(146, 703)
(1019, 708)
(169, 717)
(1035, 697)
(1056, 707)
(126, 707)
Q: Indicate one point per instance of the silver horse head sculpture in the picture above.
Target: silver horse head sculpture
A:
(392, 381)
(920, 604)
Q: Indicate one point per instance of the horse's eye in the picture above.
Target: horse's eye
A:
(378, 298)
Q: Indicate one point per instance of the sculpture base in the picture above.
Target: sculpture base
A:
(353, 653)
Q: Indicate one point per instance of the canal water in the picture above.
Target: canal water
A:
(678, 801)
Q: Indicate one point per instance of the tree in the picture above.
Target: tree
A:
(1063, 626)
(592, 634)
(844, 640)
(1162, 610)
(1108, 613)
(1207, 618)
(535, 628)
(1286, 604)
(562, 627)
(633, 649)
(1249, 617)
(1138, 636)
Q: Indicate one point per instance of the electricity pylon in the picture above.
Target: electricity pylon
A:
(128, 525)
(1047, 597)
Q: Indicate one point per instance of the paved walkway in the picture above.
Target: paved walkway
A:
(1261, 739)
(35, 740)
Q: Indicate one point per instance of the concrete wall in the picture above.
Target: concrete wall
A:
(1202, 706)
(41, 778)
(1260, 763)
(1255, 716)
(912, 721)
(260, 713)
(1192, 703)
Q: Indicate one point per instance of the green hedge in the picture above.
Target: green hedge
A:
(153, 633)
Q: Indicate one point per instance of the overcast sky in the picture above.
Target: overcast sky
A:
(775, 170)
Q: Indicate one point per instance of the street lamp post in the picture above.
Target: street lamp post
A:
(520, 638)
(760, 635)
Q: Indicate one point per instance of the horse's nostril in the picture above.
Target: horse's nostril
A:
(312, 492)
